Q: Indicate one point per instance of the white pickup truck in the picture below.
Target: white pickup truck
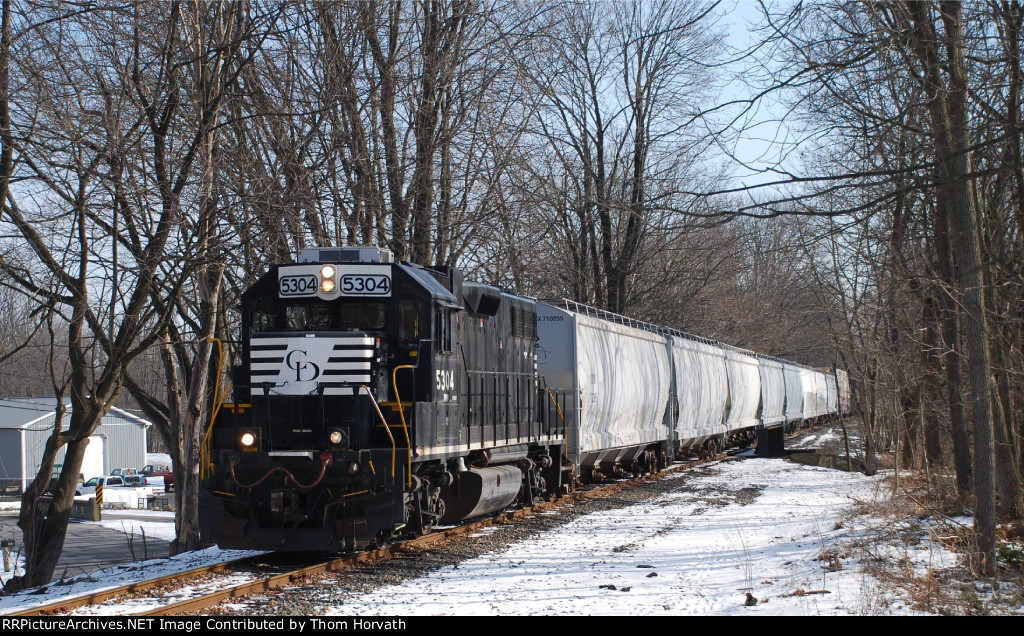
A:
(117, 491)
(138, 478)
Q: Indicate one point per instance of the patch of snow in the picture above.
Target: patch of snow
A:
(775, 530)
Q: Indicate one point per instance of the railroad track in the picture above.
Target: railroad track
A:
(193, 591)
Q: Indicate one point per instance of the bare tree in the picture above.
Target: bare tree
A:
(617, 97)
(204, 47)
(107, 139)
(68, 133)
(873, 75)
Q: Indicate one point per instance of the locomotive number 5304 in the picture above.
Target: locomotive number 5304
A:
(365, 285)
(298, 285)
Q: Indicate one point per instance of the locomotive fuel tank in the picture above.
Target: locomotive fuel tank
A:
(480, 491)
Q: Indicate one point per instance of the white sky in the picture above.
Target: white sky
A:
(696, 551)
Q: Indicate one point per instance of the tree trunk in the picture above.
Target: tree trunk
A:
(945, 80)
(44, 530)
(1008, 489)
(954, 381)
(950, 353)
(196, 418)
(933, 365)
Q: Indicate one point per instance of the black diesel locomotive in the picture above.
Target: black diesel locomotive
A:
(375, 399)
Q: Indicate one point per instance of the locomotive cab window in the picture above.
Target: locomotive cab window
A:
(443, 331)
(307, 317)
(408, 321)
(263, 319)
(361, 316)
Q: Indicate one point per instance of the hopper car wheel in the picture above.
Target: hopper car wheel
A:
(651, 462)
(705, 450)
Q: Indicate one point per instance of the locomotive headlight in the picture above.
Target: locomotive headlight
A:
(336, 437)
(249, 439)
(327, 283)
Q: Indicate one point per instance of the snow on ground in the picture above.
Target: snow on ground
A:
(767, 527)
(776, 529)
(116, 576)
(159, 526)
(161, 459)
(154, 524)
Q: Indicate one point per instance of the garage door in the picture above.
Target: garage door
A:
(92, 464)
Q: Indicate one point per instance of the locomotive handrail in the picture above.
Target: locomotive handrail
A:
(218, 402)
(401, 414)
(386, 427)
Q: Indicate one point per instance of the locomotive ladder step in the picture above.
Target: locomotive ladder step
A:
(389, 426)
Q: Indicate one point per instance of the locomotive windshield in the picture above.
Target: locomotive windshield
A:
(361, 316)
(308, 317)
(319, 316)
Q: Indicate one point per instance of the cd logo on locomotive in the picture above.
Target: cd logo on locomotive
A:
(299, 364)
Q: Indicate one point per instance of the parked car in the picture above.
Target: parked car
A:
(53, 483)
(152, 471)
(88, 489)
(127, 490)
(125, 471)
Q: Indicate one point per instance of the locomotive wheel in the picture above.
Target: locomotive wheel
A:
(379, 540)
(418, 524)
(419, 528)
(421, 522)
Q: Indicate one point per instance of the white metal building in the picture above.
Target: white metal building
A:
(26, 423)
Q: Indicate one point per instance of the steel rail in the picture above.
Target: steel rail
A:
(346, 562)
(64, 606)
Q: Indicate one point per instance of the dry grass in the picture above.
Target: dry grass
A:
(914, 527)
(915, 538)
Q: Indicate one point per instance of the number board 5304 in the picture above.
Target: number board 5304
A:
(304, 280)
(302, 285)
(365, 285)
